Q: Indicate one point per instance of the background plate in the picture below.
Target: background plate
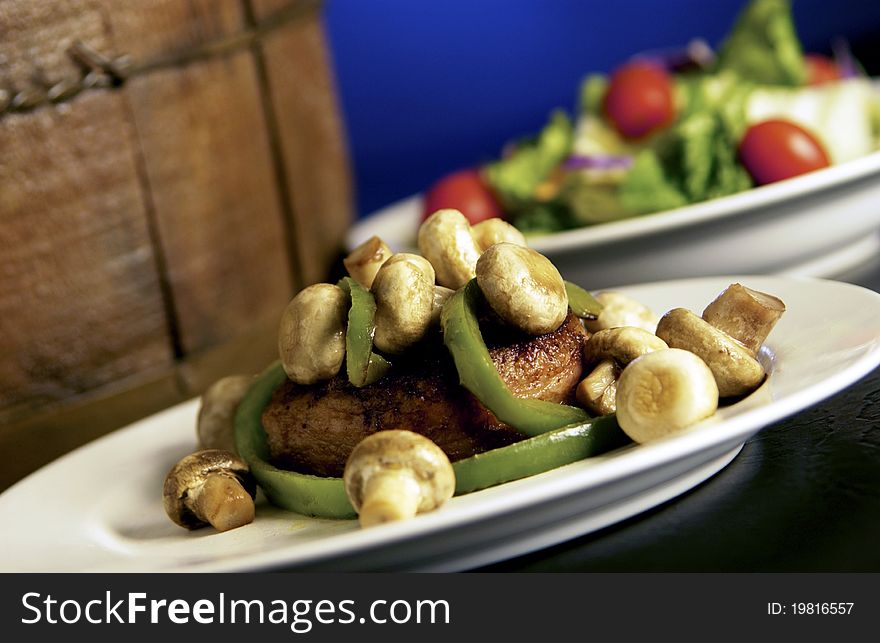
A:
(99, 508)
(818, 225)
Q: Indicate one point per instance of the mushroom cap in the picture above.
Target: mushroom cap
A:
(214, 426)
(621, 310)
(311, 335)
(189, 475)
(664, 392)
(736, 371)
(404, 292)
(402, 451)
(445, 239)
(622, 344)
(523, 287)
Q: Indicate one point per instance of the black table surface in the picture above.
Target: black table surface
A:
(803, 495)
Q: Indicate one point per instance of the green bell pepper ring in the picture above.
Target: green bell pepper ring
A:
(325, 497)
(299, 492)
(477, 372)
(363, 366)
(581, 302)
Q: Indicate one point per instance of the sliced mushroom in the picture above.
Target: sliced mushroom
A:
(210, 487)
(620, 310)
(491, 231)
(663, 393)
(746, 315)
(364, 261)
(736, 371)
(311, 336)
(445, 239)
(214, 426)
(597, 392)
(404, 294)
(394, 475)
(523, 287)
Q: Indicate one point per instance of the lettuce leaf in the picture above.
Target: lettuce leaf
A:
(515, 178)
(763, 46)
(647, 189)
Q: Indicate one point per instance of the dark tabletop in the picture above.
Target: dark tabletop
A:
(802, 495)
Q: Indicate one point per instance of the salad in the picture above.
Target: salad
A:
(668, 129)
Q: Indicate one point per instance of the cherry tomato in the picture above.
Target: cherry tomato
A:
(821, 69)
(639, 99)
(466, 191)
(774, 150)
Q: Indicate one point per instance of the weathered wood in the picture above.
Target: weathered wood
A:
(80, 303)
(207, 157)
(151, 233)
(300, 83)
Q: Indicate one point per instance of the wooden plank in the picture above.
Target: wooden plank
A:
(216, 206)
(312, 136)
(80, 300)
(147, 29)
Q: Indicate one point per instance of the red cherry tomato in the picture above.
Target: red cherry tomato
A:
(466, 191)
(774, 150)
(639, 99)
(821, 69)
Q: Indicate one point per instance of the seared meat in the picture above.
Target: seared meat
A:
(312, 429)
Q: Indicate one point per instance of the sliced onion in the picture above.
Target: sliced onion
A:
(846, 63)
(597, 162)
(696, 55)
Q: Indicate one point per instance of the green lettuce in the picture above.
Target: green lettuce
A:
(516, 177)
(763, 46)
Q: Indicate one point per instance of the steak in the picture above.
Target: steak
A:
(312, 429)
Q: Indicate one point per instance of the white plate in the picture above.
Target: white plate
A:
(99, 508)
(818, 224)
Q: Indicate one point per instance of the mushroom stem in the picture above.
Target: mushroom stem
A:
(746, 315)
(223, 502)
(390, 495)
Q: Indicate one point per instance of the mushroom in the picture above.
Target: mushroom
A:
(404, 293)
(311, 337)
(612, 349)
(214, 426)
(441, 296)
(620, 310)
(393, 475)
(364, 261)
(523, 287)
(491, 231)
(418, 262)
(746, 315)
(622, 344)
(597, 392)
(210, 486)
(664, 392)
(445, 239)
(735, 369)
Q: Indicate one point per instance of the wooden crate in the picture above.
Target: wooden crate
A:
(172, 171)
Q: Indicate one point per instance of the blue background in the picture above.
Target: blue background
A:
(430, 86)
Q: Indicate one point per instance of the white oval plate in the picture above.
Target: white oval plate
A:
(818, 225)
(100, 508)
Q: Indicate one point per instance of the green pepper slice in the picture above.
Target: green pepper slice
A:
(299, 492)
(477, 372)
(581, 302)
(363, 366)
(325, 497)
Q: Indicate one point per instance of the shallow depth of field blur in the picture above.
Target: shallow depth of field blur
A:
(427, 88)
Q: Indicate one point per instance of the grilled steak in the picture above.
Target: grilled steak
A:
(312, 429)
